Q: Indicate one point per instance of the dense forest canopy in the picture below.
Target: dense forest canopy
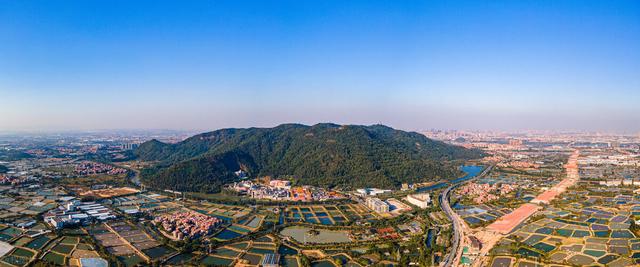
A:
(328, 155)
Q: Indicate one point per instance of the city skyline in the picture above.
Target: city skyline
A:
(504, 65)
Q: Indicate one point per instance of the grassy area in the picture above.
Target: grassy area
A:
(22, 253)
(54, 258)
(131, 260)
(63, 249)
(88, 181)
(65, 170)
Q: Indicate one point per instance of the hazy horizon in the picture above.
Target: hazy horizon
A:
(193, 131)
(469, 65)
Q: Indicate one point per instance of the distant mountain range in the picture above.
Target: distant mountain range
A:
(328, 155)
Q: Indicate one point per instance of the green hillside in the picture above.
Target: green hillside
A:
(327, 155)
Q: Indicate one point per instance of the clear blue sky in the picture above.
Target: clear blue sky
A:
(564, 65)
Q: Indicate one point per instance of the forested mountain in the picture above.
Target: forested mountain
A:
(327, 155)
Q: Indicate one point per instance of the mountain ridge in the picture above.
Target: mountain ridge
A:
(325, 154)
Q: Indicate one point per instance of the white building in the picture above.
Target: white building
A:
(420, 200)
(377, 205)
(371, 191)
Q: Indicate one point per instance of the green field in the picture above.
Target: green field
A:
(54, 258)
(22, 253)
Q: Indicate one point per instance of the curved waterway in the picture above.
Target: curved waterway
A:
(471, 172)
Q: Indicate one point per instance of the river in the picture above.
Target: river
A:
(470, 170)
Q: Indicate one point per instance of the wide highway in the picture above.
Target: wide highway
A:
(454, 255)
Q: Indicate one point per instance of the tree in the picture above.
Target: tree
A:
(304, 261)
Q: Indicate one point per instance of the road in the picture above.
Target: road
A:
(453, 257)
(450, 259)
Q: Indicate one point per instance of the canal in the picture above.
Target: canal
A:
(471, 172)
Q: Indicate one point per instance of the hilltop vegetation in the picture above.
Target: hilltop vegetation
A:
(326, 155)
(12, 155)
